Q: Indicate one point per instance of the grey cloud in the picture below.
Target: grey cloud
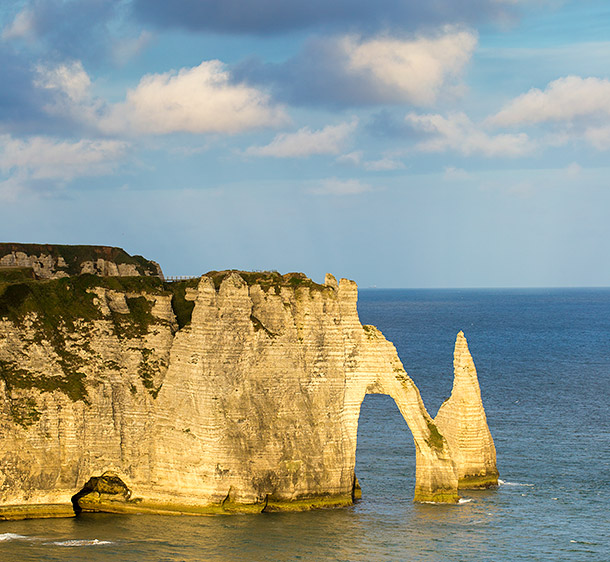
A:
(24, 107)
(20, 102)
(68, 29)
(313, 77)
(266, 17)
(352, 70)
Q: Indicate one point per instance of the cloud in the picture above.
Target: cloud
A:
(384, 164)
(21, 27)
(201, 99)
(458, 133)
(280, 16)
(564, 100)
(456, 174)
(127, 48)
(598, 137)
(352, 70)
(334, 186)
(58, 29)
(69, 79)
(23, 161)
(575, 108)
(21, 102)
(305, 142)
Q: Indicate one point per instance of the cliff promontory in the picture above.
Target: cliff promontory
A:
(232, 392)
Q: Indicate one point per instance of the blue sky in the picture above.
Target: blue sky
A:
(460, 145)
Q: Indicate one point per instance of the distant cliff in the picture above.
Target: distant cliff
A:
(54, 261)
(234, 392)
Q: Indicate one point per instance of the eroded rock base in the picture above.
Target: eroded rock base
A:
(41, 511)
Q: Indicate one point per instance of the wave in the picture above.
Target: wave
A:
(503, 483)
(79, 542)
(464, 500)
(13, 537)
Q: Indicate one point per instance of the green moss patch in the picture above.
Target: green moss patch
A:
(23, 410)
(479, 481)
(435, 439)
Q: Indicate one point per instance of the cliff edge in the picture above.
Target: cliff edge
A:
(233, 392)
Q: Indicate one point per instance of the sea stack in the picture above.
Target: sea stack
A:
(462, 421)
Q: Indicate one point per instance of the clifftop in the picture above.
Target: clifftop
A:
(52, 261)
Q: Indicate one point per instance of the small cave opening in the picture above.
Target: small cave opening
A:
(107, 486)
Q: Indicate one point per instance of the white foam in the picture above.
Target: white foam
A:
(78, 542)
(503, 483)
(465, 500)
(12, 537)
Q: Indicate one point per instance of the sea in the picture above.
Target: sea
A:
(543, 360)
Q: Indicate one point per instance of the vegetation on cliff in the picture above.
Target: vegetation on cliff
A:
(52, 309)
(74, 256)
(268, 279)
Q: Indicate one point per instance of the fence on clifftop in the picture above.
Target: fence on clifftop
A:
(172, 278)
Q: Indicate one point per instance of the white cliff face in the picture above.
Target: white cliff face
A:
(252, 405)
(462, 421)
(44, 266)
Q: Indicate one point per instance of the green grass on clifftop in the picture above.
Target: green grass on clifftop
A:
(267, 279)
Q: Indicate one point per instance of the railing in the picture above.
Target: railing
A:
(171, 278)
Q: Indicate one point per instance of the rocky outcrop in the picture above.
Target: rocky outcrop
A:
(462, 421)
(55, 261)
(237, 392)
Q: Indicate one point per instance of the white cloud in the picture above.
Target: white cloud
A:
(22, 26)
(598, 137)
(43, 158)
(353, 158)
(201, 99)
(383, 165)
(305, 142)
(411, 71)
(457, 174)
(126, 49)
(69, 79)
(334, 186)
(564, 100)
(458, 133)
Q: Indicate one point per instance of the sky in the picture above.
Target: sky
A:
(398, 143)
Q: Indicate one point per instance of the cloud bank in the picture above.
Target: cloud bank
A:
(352, 70)
(576, 107)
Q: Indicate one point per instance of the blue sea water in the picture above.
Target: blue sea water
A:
(543, 359)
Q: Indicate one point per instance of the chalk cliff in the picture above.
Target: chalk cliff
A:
(234, 392)
(54, 261)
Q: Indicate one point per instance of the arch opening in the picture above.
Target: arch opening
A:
(385, 453)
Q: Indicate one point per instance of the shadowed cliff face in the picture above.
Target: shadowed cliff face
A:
(251, 405)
